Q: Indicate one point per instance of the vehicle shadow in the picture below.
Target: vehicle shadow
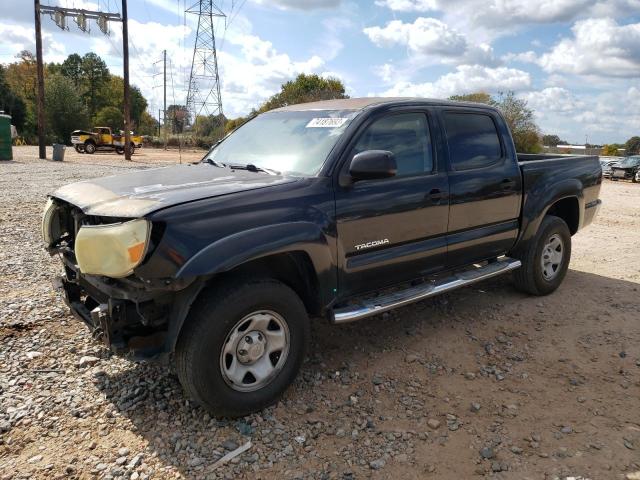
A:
(186, 438)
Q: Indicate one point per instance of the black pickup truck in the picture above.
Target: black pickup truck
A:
(340, 209)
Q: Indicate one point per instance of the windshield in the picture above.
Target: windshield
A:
(629, 162)
(292, 142)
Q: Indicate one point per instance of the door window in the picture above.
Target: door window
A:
(406, 135)
(473, 140)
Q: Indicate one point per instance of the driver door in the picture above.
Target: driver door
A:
(394, 229)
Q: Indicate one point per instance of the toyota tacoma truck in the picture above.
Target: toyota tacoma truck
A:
(340, 210)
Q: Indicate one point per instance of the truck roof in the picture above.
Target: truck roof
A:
(366, 102)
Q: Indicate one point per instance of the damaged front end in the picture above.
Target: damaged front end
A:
(131, 315)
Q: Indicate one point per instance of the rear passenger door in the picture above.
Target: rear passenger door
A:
(393, 230)
(485, 186)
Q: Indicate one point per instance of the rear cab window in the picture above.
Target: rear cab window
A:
(473, 140)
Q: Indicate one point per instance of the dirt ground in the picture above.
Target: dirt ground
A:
(482, 383)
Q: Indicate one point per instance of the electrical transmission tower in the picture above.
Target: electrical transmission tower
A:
(203, 97)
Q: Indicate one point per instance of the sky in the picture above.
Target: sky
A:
(576, 62)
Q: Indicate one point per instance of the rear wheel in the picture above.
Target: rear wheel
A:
(132, 148)
(90, 148)
(242, 346)
(119, 150)
(546, 259)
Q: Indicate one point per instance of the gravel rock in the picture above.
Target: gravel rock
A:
(433, 423)
(377, 464)
(487, 453)
(88, 361)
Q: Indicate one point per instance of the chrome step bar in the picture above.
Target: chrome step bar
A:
(400, 298)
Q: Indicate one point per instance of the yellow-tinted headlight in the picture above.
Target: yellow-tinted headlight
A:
(112, 250)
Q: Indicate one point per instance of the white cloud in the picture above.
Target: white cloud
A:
(409, 5)
(553, 99)
(425, 36)
(524, 57)
(466, 79)
(598, 47)
(256, 74)
(300, 4)
(16, 38)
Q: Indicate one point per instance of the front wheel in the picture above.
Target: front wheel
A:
(90, 148)
(242, 346)
(79, 148)
(545, 260)
(119, 150)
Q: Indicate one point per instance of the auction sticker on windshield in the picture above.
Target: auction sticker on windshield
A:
(327, 122)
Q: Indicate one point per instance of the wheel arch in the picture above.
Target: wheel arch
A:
(298, 255)
(568, 209)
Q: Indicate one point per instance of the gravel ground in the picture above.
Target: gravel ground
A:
(484, 382)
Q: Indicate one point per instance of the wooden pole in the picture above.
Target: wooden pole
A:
(127, 96)
(42, 147)
(164, 111)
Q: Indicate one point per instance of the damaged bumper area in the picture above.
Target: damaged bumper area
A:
(128, 320)
(134, 320)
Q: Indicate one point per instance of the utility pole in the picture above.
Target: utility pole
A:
(127, 96)
(59, 16)
(165, 98)
(42, 148)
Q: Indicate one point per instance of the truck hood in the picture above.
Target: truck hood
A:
(139, 193)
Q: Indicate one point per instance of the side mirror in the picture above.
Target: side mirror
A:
(373, 164)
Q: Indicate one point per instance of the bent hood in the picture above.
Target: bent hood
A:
(139, 193)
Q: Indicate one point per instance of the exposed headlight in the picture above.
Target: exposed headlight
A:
(47, 222)
(112, 250)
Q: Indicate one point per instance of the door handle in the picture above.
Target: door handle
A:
(435, 195)
(507, 184)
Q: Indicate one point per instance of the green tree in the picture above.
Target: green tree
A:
(113, 94)
(479, 97)
(520, 118)
(95, 75)
(11, 103)
(64, 109)
(234, 123)
(72, 68)
(111, 117)
(610, 150)
(148, 125)
(632, 146)
(209, 126)
(305, 88)
(552, 140)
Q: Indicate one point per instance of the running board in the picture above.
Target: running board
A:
(400, 298)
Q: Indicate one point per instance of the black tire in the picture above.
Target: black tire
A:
(90, 148)
(634, 178)
(215, 315)
(79, 148)
(132, 148)
(119, 150)
(530, 277)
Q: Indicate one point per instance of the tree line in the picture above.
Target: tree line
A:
(80, 92)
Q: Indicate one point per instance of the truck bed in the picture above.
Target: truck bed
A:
(532, 157)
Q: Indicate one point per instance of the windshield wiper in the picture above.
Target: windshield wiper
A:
(211, 161)
(250, 167)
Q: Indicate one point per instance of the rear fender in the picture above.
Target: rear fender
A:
(539, 199)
